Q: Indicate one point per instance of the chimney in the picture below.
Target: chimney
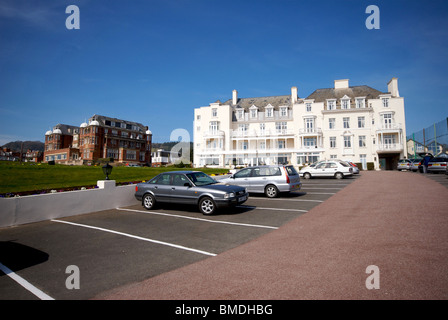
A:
(234, 97)
(341, 84)
(392, 87)
(293, 95)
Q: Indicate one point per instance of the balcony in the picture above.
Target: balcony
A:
(310, 132)
(235, 134)
(214, 134)
(390, 147)
(389, 128)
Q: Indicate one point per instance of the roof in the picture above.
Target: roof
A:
(261, 102)
(321, 95)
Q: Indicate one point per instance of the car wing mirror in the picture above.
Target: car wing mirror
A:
(187, 184)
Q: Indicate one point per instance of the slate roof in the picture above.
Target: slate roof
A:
(321, 95)
(261, 102)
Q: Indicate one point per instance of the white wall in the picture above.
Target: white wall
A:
(28, 209)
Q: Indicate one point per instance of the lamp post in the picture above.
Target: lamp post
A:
(107, 170)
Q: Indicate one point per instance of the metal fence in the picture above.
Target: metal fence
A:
(433, 139)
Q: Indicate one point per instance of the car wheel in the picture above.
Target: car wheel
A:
(149, 201)
(307, 175)
(271, 191)
(338, 175)
(207, 206)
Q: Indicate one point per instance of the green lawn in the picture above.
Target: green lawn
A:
(17, 177)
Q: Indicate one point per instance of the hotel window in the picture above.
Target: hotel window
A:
(240, 114)
(269, 112)
(332, 142)
(331, 123)
(281, 127)
(331, 104)
(347, 142)
(308, 107)
(283, 111)
(385, 102)
(131, 154)
(214, 126)
(360, 103)
(362, 141)
(262, 128)
(345, 103)
(262, 145)
(310, 142)
(253, 113)
(361, 122)
(214, 112)
(346, 123)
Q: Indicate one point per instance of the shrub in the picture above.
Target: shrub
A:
(370, 166)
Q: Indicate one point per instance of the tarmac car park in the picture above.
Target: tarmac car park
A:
(113, 248)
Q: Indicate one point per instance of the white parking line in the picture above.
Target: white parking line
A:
(137, 237)
(283, 199)
(28, 286)
(306, 188)
(200, 219)
(278, 209)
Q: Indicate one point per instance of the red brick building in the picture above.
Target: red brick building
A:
(100, 137)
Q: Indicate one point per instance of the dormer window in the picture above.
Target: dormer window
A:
(331, 104)
(360, 103)
(345, 103)
(269, 111)
(253, 112)
(283, 111)
(385, 102)
(240, 114)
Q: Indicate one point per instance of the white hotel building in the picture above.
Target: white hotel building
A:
(357, 123)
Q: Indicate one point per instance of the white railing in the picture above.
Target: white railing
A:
(261, 134)
(310, 131)
(390, 147)
(389, 126)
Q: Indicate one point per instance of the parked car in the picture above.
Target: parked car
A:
(354, 166)
(332, 168)
(404, 164)
(438, 163)
(415, 163)
(270, 180)
(189, 187)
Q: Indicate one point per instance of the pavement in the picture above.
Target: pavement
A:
(387, 231)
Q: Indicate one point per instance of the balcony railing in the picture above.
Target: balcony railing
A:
(310, 131)
(261, 134)
(390, 147)
(214, 133)
(389, 126)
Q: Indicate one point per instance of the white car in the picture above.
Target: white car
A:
(332, 168)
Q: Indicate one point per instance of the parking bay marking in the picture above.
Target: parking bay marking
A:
(28, 286)
(200, 219)
(277, 209)
(137, 237)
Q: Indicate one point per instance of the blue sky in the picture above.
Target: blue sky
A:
(153, 62)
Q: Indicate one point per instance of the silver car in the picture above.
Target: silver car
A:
(189, 187)
(404, 164)
(438, 163)
(270, 180)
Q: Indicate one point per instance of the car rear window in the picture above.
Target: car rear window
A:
(345, 164)
(291, 170)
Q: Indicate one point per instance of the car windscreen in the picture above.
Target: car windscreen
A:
(200, 178)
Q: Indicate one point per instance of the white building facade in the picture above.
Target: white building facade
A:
(358, 123)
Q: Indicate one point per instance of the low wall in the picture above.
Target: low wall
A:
(27, 209)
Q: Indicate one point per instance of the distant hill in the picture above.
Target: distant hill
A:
(31, 145)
